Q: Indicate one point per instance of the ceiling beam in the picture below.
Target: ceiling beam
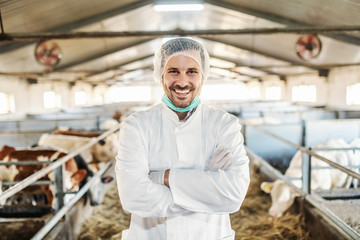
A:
(176, 32)
(256, 13)
(264, 54)
(238, 64)
(282, 20)
(103, 16)
(115, 67)
(81, 23)
(102, 54)
(237, 72)
(151, 55)
(107, 79)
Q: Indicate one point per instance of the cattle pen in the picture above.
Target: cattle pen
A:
(312, 205)
(39, 227)
(83, 84)
(339, 226)
(336, 205)
(314, 216)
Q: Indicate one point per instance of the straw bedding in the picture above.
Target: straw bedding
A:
(252, 221)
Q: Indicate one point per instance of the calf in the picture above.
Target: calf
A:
(101, 151)
(72, 175)
(282, 195)
(108, 124)
(70, 132)
(356, 144)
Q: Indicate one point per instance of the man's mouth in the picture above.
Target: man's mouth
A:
(182, 92)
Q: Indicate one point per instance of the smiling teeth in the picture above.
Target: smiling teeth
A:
(182, 91)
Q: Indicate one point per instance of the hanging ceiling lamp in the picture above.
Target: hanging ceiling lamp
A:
(185, 5)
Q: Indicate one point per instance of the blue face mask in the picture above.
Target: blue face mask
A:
(168, 103)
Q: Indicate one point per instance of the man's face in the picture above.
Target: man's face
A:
(182, 80)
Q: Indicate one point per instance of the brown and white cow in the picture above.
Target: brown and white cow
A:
(356, 144)
(72, 175)
(70, 140)
(282, 195)
(108, 124)
(70, 132)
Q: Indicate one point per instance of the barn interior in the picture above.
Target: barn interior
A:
(111, 43)
(285, 68)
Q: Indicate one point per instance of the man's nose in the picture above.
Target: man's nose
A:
(183, 80)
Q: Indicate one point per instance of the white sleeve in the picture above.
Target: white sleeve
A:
(138, 194)
(215, 192)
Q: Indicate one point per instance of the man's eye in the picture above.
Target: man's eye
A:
(193, 72)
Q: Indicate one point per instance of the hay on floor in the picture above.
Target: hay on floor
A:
(252, 221)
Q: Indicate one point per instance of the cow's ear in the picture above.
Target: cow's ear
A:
(266, 186)
(78, 176)
(294, 193)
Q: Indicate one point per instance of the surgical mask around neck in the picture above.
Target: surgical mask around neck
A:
(168, 103)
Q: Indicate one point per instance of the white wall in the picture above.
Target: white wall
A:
(87, 88)
(36, 98)
(274, 81)
(29, 97)
(339, 78)
(331, 90)
(18, 88)
(99, 94)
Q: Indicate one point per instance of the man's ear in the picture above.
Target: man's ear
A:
(266, 186)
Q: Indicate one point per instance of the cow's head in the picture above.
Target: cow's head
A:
(73, 175)
(105, 149)
(5, 151)
(282, 196)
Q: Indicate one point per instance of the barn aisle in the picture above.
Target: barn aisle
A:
(251, 222)
(108, 219)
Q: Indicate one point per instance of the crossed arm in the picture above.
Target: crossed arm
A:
(220, 188)
(220, 161)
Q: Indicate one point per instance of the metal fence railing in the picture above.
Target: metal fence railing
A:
(57, 166)
(305, 192)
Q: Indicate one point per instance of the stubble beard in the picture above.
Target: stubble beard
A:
(178, 102)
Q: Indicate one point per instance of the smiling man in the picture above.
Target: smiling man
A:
(181, 167)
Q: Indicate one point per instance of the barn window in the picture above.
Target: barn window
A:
(7, 103)
(352, 94)
(254, 92)
(223, 92)
(128, 94)
(304, 93)
(51, 100)
(273, 93)
(80, 98)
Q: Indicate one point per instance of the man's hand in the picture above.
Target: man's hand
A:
(157, 177)
(220, 160)
(160, 177)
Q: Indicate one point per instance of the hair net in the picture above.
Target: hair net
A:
(184, 47)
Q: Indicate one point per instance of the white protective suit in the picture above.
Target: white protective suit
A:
(198, 202)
